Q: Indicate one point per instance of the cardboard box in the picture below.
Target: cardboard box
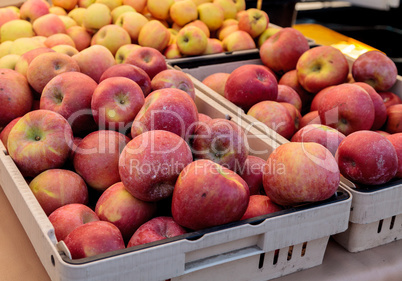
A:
(261, 248)
(376, 213)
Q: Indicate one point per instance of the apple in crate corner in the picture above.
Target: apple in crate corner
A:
(115, 103)
(390, 98)
(96, 158)
(48, 65)
(156, 229)
(288, 178)
(132, 72)
(40, 140)
(172, 78)
(366, 157)
(151, 162)
(68, 217)
(347, 108)
(70, 94)
(16, 97)
(320, 67)
(221, 141)
(94, 238)
(148, 59)
(283, 49)
(322, 134)
(6, 130)
(54, 188)
(396, 140)
(260, 205)
(119, 207)
(217, 82)
(207, 194)
(167, 109)
(250, 84)
(394, 116)
(375, 69)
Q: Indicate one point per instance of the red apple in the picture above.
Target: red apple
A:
(311, 117)
(118, 206)
(26, 58)
(275, 116)
(260, 205)
(48, 65)
(94, 238)
(251, 173)
(281, 51)
(167, 109)
(68, 217)
(290, 79)
(376, 69)
(394, 117)
(6, 130)
(221, 141)
(320, 67)
(250, 84)
(132, 72)
(289, 95)
(156, 229)
(54, 188)
(324, 135)
(390, 98)
(172, 78)
(96, 158)
(396, 140)
(148, 59)
(207, 194)
(299, 172)
(115, 103)
(380, 110)
(151, 162)
(317, 98)
(347, 108)
(16, 97)
(217, 82)
(70, 94)
(40, 140)
(366, 157)
(294, 113)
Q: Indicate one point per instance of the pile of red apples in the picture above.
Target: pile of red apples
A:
(317, 95)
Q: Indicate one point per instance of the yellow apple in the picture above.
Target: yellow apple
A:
(172, 52)
(183, 12)
(240, 5)
(15, 29)
(124, 51)
(116, 12)
(227, 30)
(65, 49)
(199, 2)
(77, 15)
(112, 37)
(68, 22)
(57, 11)
(96, 16)
(211, 14)
(9, 61)
(214, 46)
(155, 35)
(138, 5)
(238, 40)
(266, 34)
(159, 9)
(191, 40)
(132, 22)
(85, 3)
(67, 5)
(228, 6)
(253, 21)
(5, 48)
(25, 44)
(112, 4)
(202, 25)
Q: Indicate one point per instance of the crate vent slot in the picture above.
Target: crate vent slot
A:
(379, 226)
(276, 256)
(391, 225)
(290, 252)
(261, 262)
(304, 248)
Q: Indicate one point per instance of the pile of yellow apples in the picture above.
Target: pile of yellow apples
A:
(176, 28)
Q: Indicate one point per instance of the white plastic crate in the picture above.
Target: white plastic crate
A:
(256, 249)
(376, 215)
